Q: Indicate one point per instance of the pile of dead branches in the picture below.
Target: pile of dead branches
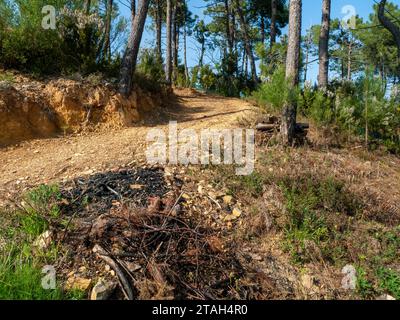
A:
(157, 250)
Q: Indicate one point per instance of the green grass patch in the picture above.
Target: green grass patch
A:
(20, 262)
(21, 277)
(364, 287)
(316, 212)
(389, 280)
(44, 200)
(6, 77)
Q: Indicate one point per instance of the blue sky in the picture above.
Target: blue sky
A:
(311, 16)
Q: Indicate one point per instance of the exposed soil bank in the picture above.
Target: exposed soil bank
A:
(39, 109)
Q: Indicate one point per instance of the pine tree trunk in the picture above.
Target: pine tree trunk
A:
(175, 44)
(308, 45)
(107, 32)
(176, 55)
(228, 26)
(292, 71)
(391, 27)
(274, 13)
(349, 53)
(243, 62)
(128, 64)
(159, 29)
(168, 58)
(246, 65)
(202, 53)
(262, 28)
(200, 65)
(185, 55)
(133, 8)
(324, 45)
(247, 41)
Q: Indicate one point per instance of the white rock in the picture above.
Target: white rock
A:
(349, 281)
(227, 199)
(386, 297)
(43, 241)
(307, 281)
(102, 290)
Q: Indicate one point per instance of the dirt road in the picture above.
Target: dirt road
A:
(50, 160)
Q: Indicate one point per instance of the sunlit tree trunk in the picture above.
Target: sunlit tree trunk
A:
(129, 59)
(228, 26)
(308, 45)
(159, 28)
(288, 125)
(185, 54)
(133, 8)
(107, 32)
(168, 58)
(324, 45)
(349, 53)
(247, 41)
(391, 27)
(262, 28)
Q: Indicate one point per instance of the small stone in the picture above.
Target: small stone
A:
(43, 241)
(307, 281)
(78, 283)
(349, 281)
(64, 201)
(185, 196)
(82, 269)
(236, 213)
(227, 199)
(87, 172)
(200, 189)
(386, 297)
(136, 186)
(102, 290)
(154, 204)
(133, 267)
(229, 217)
(168, 172)
(212, 195)
(256, 257)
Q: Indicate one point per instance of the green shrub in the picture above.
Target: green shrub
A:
(364, 286)
(355, 108)
(151, 66)
(389, 280)
(21, 277)
(276, 92)
(43, 201)
(313, 208)
(207, 78)
(21, 262)
(75, 45)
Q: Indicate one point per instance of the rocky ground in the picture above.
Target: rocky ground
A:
(314, 222)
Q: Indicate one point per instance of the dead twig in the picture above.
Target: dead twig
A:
(125, 285)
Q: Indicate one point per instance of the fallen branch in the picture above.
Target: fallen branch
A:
(126, 286)
(267, 127)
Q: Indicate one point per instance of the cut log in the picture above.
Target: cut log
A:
(276, 126)
(267, 127)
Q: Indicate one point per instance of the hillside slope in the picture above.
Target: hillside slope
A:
(285, 231)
